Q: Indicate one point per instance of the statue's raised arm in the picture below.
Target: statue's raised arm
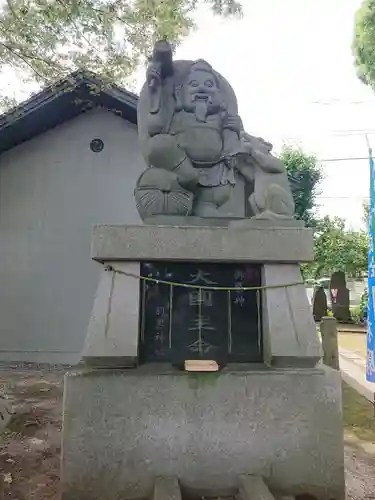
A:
(159, 69)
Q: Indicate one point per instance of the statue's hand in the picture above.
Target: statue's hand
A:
(233, 122)
(247, 145)
(153, 74)
(230, 161)
(246, 171)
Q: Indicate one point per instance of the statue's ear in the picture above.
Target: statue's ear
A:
(178, 97)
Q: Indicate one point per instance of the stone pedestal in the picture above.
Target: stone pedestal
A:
(289, 333)
(126, 423)
(124, 428)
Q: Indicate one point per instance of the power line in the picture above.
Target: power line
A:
(344, 159)
(354, 131)
(331, 101)
(342, 197)
(327, 160)
(338, 133)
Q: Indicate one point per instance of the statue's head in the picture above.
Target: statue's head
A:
(200, 92)
(201, 81)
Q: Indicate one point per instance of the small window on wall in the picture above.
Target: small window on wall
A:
(96, 145)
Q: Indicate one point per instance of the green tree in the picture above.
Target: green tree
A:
(44, 40)
(364, 42)
(337, 249)
(307, 175)
(366, 213)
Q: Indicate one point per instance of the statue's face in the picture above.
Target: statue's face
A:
(201, 94)
(201, 86)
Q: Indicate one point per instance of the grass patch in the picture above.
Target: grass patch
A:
(359, 415)
(355, 342)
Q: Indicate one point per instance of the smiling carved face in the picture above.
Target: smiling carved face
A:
(201, 91)
(202, 85)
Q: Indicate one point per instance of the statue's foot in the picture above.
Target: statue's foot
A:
(189, 183)
(158, 193)
(205, 209)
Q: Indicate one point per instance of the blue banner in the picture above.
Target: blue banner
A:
(370, 365)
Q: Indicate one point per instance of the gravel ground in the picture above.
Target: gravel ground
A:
(30, 447)
(360, 473)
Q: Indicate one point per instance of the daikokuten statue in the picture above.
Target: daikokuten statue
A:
(189, 132)
(195, 147)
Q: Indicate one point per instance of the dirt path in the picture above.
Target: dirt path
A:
(360, 473)
(30, 447)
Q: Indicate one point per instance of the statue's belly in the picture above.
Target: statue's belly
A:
(201, 144)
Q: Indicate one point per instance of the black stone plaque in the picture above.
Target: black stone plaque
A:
(179, 323)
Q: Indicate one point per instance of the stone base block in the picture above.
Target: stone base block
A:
(109, 343)
(290, 338)
(207, 244)
(124, 428)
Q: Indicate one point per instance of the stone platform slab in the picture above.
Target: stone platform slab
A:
(203, 243)
(124, 428)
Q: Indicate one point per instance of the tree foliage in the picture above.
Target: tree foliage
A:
(308, 174)
(364, 42)
(366, 213)
(47, 39)
(337, 249)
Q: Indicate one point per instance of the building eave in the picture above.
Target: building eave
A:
(61, 102)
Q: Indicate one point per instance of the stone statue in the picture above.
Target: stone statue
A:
(189, 132)
(340, 297)
(193, 142)
(272, 196)
(320, 306)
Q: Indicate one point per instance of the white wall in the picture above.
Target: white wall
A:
(52, 190)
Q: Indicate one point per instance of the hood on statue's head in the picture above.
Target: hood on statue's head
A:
(181, 70)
